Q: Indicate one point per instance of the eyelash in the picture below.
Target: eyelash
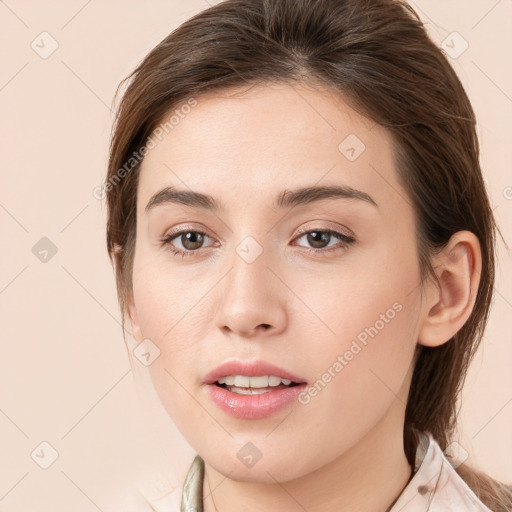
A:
(345, 239)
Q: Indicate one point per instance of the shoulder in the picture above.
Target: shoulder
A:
(133, 500)
(158, 498)
(156, 492)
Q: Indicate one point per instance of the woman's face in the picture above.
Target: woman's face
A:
(269, 281)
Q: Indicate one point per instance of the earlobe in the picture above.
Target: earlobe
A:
(451, 299)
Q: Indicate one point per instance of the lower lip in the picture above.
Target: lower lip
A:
(254, 406)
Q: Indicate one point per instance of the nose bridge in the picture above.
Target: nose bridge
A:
(250, 296)
(250, 277)
(253, 247)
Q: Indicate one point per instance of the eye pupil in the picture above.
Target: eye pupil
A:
(192, 240)
(318, 238)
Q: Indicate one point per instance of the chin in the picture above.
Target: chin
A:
(278, 466)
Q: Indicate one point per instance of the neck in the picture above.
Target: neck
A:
(370, 476)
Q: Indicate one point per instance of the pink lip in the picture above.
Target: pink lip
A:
(252, 406)
(251, 369)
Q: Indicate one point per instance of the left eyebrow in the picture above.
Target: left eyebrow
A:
(286, 199)
(307, 195)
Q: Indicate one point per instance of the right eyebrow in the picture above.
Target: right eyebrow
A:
(187, 197)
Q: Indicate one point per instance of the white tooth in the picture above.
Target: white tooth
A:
(274, 381)
(259, 382)
(242, 381)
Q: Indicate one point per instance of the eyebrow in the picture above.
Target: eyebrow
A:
(287, 198)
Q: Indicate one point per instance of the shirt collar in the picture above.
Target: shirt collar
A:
(436, 486)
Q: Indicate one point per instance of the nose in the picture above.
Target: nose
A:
(252, 299)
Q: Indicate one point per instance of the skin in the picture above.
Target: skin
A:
(244, 147)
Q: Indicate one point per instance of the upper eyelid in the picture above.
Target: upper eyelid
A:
(345, 231)
(302, 231)
(342, 230)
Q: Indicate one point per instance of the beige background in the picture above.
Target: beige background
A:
(65, 375)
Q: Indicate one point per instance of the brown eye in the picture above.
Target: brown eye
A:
(185, 242)
(191, 240)
(318, 239)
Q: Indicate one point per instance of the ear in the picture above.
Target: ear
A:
(117, 254)
(134, 320)
(450, 301)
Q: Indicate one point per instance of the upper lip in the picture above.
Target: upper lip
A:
(253, 368)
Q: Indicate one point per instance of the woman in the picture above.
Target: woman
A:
(301, 233)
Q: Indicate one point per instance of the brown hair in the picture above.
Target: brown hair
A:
(378, 54)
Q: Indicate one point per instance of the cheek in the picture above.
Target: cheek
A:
(172, 317)
(165, 301)
(368, 342)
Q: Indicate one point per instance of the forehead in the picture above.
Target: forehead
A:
(258, 140)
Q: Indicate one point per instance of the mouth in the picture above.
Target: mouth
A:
(258, 385)
(252, 374)
(252, 389)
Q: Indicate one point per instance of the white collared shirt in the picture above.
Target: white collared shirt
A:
(436, 486)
